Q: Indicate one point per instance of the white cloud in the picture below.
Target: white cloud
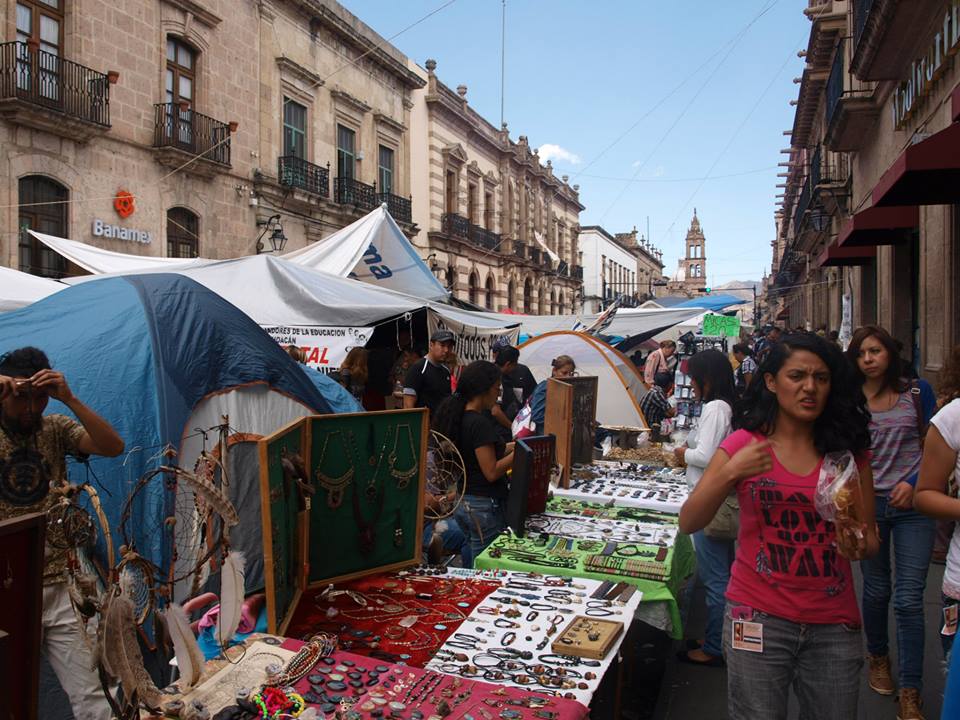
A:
(549, 151)
(636, 163)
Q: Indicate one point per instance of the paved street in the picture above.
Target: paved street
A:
(692, 692)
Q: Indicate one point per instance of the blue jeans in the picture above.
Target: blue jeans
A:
(454, 541)
(911, 535)
(481, 519)
(714, 558)
(822, 662)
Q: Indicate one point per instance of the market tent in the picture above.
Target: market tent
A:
(619, 385)
(712, 302)
(97, 260)
(158, 356)
(626, 323)
(374, 250)
(18, 289)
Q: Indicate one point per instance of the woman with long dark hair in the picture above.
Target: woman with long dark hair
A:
(465, 418)
(900, 411)
(712, 377)
(791, 615)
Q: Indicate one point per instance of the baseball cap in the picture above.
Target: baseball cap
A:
(443, 336)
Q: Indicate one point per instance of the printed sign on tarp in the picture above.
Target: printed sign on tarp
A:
(721, 325)
(473, 343)
(326, 347)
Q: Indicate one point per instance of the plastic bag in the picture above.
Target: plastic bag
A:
(837, 498)
(523, 425)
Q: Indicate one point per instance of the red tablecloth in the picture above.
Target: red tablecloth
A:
(412, 690)
(437, 605)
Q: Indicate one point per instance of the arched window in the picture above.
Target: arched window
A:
(183, 233)
(528, 296)
(561, 305)
(43, 207)
(506, 224)
(553, 302)
(490, 292)
(474, 282)
(512, 294)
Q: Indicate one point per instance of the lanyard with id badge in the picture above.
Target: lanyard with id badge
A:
(746, 633)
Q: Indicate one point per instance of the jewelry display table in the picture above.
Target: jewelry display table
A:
(657, 570)
(628, 485)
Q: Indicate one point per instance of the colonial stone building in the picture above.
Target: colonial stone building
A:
(497, 226)
(868, 225)
(221, 119)
(691, 271)
(617, 266)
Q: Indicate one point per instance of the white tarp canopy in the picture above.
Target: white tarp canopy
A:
(18, 289)
(375, 250)
(619, 385)
(626, 323)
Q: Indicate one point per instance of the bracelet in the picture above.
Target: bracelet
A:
(562, 660)
(508, 639)
(394, 632)
(504, 623)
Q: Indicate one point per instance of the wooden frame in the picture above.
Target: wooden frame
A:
(558, 421)
(21, 612)
(279, 614)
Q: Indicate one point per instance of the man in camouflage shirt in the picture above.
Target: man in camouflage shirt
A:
(33, 451)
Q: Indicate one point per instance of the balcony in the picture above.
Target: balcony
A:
(455, 225)
(803, 204)
(400, 208)
(349, 191)
(883, 47)
(519, 249)
(829, 23)
(850, 107)
(563, 270)
(534, 255)
(298, 173)
(181, 134)
(42, 90)
(576, 272)
(484, 238)
(829, 176)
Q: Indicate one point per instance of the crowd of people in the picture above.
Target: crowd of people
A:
(782, 610)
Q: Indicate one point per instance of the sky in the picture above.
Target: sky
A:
(637, 100)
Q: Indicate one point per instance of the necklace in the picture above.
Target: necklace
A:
(367, 534)
(334, 484)
(403, 477)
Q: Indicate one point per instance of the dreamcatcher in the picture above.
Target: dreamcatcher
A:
(445, 476)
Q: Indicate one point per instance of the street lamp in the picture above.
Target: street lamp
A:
(277, 239)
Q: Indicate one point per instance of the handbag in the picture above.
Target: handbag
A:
(726, 523)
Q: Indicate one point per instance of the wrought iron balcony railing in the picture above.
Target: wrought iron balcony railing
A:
(577, 272)
(519, 249)
(861, 11)
(456, 225)
(563, 270)
(803, 204)
(484, 238)
(298, 173)
(399, 207)
(835, 82)
(349, 191)
(47, 80)
(177, 126)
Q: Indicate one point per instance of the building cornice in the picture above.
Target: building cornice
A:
(197, 10)
(298, 71)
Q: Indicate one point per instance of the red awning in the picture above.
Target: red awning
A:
(879, 226)
(927, 173)
(835, 255)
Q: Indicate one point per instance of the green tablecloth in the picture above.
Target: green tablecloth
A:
(550, 555)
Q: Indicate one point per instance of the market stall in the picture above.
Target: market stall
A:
(657, 562)
(628, 485)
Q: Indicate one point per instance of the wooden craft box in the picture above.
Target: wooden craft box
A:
(581, 645)
(366, 516)
(571, 416)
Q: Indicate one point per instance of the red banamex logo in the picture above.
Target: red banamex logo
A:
(124, 204)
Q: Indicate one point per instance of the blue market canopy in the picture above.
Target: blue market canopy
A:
(159, 355)
(712, 302)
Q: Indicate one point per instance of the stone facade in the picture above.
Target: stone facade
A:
(240, 66)
(620, 265)
(692, 267)
(482, 201)
(849, 132)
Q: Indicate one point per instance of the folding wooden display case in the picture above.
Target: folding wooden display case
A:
(368, 471)
(533, 460)
(571, 415)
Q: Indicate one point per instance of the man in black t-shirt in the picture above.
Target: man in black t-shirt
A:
(427, 382)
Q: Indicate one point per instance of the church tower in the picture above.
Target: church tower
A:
(695, 262)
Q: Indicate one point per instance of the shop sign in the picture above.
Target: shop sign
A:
(926, 70)
(103, 229)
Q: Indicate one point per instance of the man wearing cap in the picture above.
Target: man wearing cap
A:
(428, 380)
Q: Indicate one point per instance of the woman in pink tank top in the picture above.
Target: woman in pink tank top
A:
(792, 615)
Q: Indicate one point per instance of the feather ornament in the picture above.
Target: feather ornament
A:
(185, 647)
(121, 656)
(231, 598)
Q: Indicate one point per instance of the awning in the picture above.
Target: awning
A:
(927, 173)
(879, 226)
(835, 255)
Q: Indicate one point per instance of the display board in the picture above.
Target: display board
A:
(558, 421)
(370, 475)
(530, 479)
(281, 523)
(21, 603)
(584, 418)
